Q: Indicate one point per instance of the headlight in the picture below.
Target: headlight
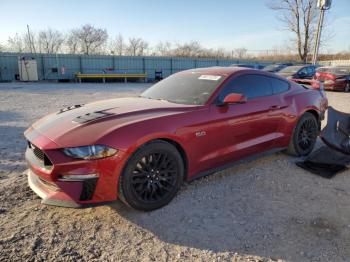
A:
(90, 152)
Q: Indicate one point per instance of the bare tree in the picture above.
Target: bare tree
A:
(72, 42)
(240, 53)
(133, 46)
(191, 49)
(298, 17)
(143, 47)
(163, 49)
(16, 44)
(50, 41)
(22, 43)
(118, 45)
(90, 39)
(220, 53)
(136, 47)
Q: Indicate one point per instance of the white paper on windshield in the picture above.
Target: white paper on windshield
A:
(209, 77)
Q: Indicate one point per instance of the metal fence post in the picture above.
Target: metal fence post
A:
(80, 64)
(42, 67)
(171, 66)
(144, 65)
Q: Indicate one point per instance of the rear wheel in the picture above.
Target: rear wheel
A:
(304, 136)
(347, 87)
(152, 176)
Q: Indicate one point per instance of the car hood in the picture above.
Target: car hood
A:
(81, 125)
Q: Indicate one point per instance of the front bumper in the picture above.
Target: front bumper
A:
(62, 181)
(51, 194)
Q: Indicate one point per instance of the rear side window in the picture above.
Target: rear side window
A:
(279, 86)
(251, 86)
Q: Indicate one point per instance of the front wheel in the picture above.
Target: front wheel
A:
(152, 176)
(304, 136)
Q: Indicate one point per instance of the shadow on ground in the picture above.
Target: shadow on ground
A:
(241, 211)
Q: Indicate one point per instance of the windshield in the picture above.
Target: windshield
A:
(291, 69)
(190, 88)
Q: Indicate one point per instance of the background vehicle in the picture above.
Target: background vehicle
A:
(298, 72)
(334, 78)
(275, 67)
(188, 125)
(253, 66)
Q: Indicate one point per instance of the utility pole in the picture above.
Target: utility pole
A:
(31, 44)
(323, 5)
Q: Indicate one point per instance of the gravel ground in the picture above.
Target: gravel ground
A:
(262, 210)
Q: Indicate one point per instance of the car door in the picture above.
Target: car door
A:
(239, 130)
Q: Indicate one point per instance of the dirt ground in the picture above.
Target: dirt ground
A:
(262, 210)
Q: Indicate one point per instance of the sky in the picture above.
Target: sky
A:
(228, 24)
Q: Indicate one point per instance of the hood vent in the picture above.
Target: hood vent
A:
(91, 117)
(69, 108)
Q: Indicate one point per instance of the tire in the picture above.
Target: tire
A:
(152, 176)
(304, 135)
(347, 87)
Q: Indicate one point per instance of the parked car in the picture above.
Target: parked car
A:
(254, 66)
(191, 124)
(334, 78)
(298, 73)
(276, 67)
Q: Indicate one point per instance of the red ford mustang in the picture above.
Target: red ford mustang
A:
(190, 124)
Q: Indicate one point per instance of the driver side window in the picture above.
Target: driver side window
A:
(251, 86)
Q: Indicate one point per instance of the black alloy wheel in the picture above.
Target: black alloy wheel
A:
(152, 176)
(304, 135)
(347, 87)
(307, 134)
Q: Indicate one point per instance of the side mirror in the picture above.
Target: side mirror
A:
(234, 98)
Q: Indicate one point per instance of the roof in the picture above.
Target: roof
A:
(220, 70)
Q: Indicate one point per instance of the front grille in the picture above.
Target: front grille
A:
(40, 155)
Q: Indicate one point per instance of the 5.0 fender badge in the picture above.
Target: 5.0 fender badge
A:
(200, 133)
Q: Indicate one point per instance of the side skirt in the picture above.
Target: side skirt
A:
(234, 163)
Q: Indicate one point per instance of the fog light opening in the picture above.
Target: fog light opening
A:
(78, 177)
